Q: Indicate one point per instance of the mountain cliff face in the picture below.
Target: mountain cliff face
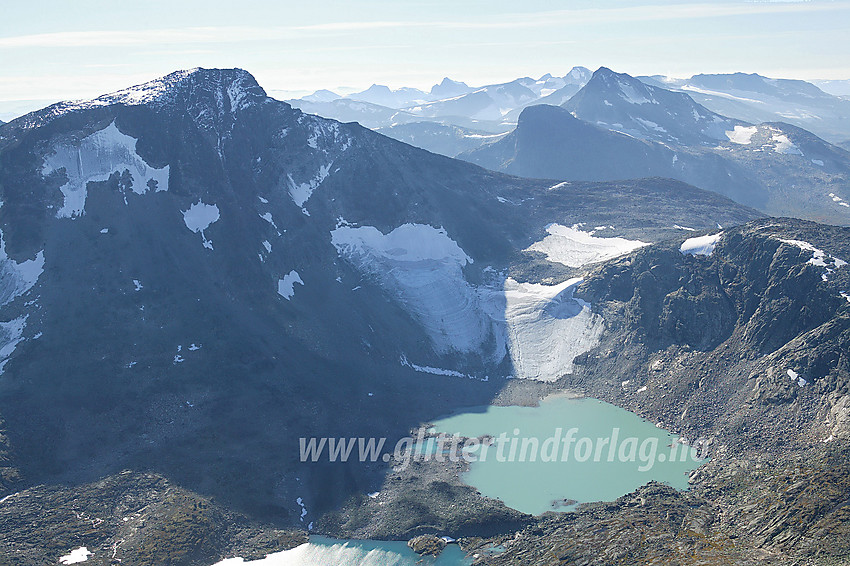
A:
(197, 275)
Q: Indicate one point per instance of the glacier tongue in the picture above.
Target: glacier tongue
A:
(95, 158)
(422, 267)
(547, 328)
(542, 326)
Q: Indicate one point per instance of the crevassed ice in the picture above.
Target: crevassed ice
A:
(575, 248)
(95, 158)
(547, 328)
(310, 554)
(542, 326)
(422, 266)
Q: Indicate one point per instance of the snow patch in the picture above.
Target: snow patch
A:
(741, 134)
(575, 248)
(11, 333)
(17, 278)
(76, 556)
(286, 286)
(837, 199)
(701, 245)
(435, 371)
(95, 158)
(796, 377)
(199, 217)
(300, 192)
(785, 146)
(301, 504)
(819, 257)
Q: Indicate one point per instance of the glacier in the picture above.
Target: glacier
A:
(542, 327)
(95, 158)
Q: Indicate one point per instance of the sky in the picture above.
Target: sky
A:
(58, 50)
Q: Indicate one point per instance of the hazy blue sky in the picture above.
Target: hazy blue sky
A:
(57, 49)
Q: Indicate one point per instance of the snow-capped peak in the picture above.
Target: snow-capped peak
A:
(223, 90)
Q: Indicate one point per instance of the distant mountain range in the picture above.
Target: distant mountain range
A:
(495, 108)
(618, 127)
(467, 114)
(754, 98)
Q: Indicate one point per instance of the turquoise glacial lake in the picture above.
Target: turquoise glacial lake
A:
(564, 452)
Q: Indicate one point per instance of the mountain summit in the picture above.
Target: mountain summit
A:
(621, 102)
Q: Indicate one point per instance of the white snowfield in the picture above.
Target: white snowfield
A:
(286, 286)
(630, 95)
(575, 248)
(542, 326)
(701, 245)
(742, 135)
(95, 158)
(76, 556)
(199, 217)
(783, 145)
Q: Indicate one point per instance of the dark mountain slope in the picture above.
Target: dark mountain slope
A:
(549, 142)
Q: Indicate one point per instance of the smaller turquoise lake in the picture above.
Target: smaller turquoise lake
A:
(566, 451)
(323, 551)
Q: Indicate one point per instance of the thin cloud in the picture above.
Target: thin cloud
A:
(553, 18)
